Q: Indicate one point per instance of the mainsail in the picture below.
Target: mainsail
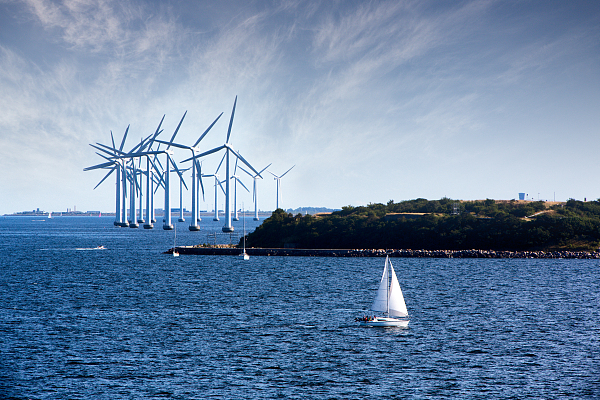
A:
(389, 298)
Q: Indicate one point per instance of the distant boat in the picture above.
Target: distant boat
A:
(49, 214)
(100, 248)
(389, 300)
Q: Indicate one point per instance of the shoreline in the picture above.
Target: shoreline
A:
(399, 253)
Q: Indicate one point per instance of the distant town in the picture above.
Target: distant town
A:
(157, 211)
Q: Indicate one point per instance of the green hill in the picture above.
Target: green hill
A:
(443, 224)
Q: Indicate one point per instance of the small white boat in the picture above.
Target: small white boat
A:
(389, 300)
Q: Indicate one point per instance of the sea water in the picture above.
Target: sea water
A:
(130, 322)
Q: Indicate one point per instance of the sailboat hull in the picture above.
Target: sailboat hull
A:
(386, 321)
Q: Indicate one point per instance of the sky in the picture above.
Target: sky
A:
(371, 101)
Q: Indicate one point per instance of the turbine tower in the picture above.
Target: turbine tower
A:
(278, 179)
(254, 194)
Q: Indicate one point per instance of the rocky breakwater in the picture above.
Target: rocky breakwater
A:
(390, 252)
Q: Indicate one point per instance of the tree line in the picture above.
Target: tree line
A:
(443, 224)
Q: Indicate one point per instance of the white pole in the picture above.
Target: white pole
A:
(141, 218)
(124, 195)
(118, 196)
(255, 201)
(148, 221)
(235, 211)
(194, 221)
(216, 218)
(227, 227)
(152, 218)
(167, 224)
(181, 219)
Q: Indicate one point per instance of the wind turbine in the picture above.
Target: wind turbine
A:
(117, 164)
(169, 153)
(227, 147)
(114, 165)
(169, 161)
(131, 175)
(254, 195)
(195, 205)
(278, 179)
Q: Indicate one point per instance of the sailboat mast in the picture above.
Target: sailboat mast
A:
(387, 279)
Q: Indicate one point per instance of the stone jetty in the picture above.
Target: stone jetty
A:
(390, 252)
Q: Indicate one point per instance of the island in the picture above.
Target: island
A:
(433, 228)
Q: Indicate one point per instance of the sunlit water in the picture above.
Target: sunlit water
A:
(130, 322)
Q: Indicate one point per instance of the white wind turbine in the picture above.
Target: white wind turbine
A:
(196, 175)
(120, 217)
(254, 194)
(227, 147)
(167, 171)
(278, 179)
(117, 163)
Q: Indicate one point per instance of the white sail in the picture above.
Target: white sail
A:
(381, 298)
(397, 307)
(389, 298)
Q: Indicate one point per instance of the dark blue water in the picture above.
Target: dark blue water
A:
(130, 322)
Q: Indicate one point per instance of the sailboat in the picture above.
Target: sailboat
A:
(175, 252)
(244, 255)
(389, 300)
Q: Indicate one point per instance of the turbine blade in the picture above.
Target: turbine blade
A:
(199, 168)
(206, 131)
(206, 153)
(288, 170)
(219, 167)
(243, 160)
(109, 150)
(221, 186)
(139, 154)
(103, 165)
(124, 137)
(158, 130)
(177, 130)
(263, 170)
(103, 179)
(181, 146)
(231, 120)
(178, 172)
(103, 150)
(242, 183)
(243, 169)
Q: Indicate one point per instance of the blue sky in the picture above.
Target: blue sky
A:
(371, 101)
